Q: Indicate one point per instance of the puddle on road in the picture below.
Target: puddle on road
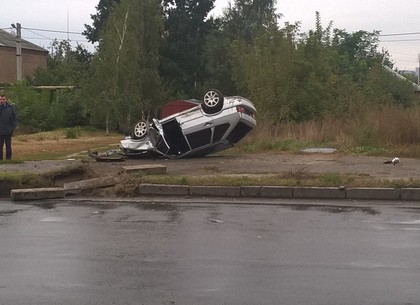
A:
(9, 212)
(52, 219)
(412, 211)
(410, 222)
(335, 210)
(96, 205)
(165, 207)
(46, 205)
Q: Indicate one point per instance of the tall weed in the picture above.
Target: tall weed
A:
(371, 131)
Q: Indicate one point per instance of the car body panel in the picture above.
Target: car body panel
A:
(193, 132)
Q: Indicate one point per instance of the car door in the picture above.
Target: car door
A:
(197, 128)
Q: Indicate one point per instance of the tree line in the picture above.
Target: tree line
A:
(152, 51)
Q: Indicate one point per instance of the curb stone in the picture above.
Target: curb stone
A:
(250, 191)
(373, 193)
(220, 191)
(319, 192)
(78, 186)
(404, 194)
(410, 194)
(276, 192)
(158, 189)
(35, 194)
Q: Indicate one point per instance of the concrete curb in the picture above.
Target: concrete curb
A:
(406, 194)
(146, 169)
(38, 193)
(60, 192)
(78, 186)
(273, 192)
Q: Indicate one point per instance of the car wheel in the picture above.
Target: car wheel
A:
(212, 101)
(140, 130)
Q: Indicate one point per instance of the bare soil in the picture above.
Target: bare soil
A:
(46, 146)
(365, 168)
(275, 164)
(374, 167)
(42, 146)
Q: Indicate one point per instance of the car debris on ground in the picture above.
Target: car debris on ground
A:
(109, 156)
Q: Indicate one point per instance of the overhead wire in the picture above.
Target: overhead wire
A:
(401, 40)
(52, 31)
(29, 30)
(36, 31)
(400, 34)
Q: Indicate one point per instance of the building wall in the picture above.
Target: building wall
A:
(30, 61)
(7, 65)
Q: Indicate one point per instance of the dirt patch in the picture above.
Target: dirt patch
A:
(45, 173)
(241, 164)
(28, 146)
(285, 164)
(43, 145)
(275, 164)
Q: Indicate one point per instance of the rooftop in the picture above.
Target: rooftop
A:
(9, 40)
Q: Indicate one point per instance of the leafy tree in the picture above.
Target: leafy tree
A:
(92, 33)
(383, 87)
(265, 72)
(37, 110)
(290, 76)
(297, 77)
(240, 26)
(182, 63)
(357, 52)
(218, 61)
(247, 18)
(125, 81)
(65, 66)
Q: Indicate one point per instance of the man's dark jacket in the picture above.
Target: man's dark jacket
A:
(7, 119)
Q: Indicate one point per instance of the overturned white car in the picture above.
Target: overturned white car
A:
(216, 124)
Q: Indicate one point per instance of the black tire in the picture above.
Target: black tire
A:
(140, 130)
(212, 101)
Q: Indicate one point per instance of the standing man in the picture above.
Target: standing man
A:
(7, 126)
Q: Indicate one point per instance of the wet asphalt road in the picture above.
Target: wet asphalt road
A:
(201, 253)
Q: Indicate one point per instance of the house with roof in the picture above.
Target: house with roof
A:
(32, 57)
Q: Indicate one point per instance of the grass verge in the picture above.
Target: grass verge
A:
(59, 145)
(55, 145)
(307, 180)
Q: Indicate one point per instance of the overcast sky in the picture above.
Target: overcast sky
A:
(389, 17)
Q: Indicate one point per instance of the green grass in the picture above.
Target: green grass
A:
(286, 179)
(281, 139)
(24, 179)
(12, 161)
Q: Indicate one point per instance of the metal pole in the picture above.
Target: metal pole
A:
(418, 71)
(19, 76)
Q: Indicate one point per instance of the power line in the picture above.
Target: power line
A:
(52, 39)
(44, 30)
(77, 33)
(52, 31)
(399, 34)
(38, 34)
(401, 40)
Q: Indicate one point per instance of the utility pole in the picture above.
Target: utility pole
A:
(18, 28)
(418, 73)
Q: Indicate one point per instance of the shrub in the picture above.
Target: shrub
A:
(73, 133)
